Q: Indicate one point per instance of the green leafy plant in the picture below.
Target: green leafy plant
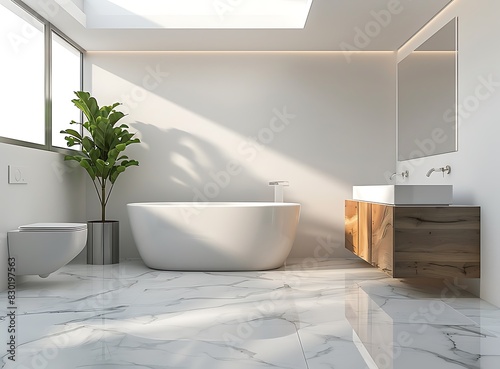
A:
(101, 148)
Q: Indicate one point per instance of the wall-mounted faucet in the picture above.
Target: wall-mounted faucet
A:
(278, 189)
(404, 174)
(446, 169)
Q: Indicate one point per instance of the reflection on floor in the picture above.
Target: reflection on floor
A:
(310, 314)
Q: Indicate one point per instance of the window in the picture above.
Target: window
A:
(66, 71)
(22, 73)
(39, 70)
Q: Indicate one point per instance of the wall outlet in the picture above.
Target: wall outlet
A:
(17, 175)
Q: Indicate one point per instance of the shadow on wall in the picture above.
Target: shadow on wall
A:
(331, 100)
(188, 167)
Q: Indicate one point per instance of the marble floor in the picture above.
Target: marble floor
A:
(315, 314)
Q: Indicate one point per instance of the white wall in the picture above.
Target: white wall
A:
(475, 175)
(55, 192)
(196, 110)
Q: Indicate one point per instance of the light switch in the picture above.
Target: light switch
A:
(17, 175)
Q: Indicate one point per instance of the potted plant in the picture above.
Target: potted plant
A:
(101, 156)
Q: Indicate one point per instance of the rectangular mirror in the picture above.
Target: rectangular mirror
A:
(427, 97)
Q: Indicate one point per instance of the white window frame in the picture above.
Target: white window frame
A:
(48, 29)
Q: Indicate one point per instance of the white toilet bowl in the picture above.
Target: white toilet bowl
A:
(43, 248)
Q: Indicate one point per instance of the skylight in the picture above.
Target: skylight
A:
(197, 14)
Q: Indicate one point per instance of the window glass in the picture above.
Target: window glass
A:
(22, 76)
(66, 66)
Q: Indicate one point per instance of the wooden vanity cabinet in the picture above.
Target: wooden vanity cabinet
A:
(415, 241)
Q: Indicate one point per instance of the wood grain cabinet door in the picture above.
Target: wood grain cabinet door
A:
(383, 237)
(437, 242)
(351, 226)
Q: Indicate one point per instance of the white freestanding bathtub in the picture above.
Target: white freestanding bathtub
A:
(216, 236)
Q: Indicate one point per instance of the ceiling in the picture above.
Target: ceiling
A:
(332, 25)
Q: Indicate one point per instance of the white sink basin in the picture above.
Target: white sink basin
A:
(405, 194)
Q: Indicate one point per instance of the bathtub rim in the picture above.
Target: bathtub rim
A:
(249, 204)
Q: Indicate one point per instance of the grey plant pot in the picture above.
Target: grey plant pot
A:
(103, 242)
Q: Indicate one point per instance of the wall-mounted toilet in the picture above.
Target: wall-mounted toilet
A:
(43, 248)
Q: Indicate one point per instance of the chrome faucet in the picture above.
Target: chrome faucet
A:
(432, 170)
(446, 169)
(404, 174)
(278, 189)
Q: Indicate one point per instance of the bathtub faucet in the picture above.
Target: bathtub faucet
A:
(278, 189)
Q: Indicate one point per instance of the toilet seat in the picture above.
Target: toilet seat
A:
(42, 248)
(53, 227)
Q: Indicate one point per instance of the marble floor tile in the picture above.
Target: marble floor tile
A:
(314, 314)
